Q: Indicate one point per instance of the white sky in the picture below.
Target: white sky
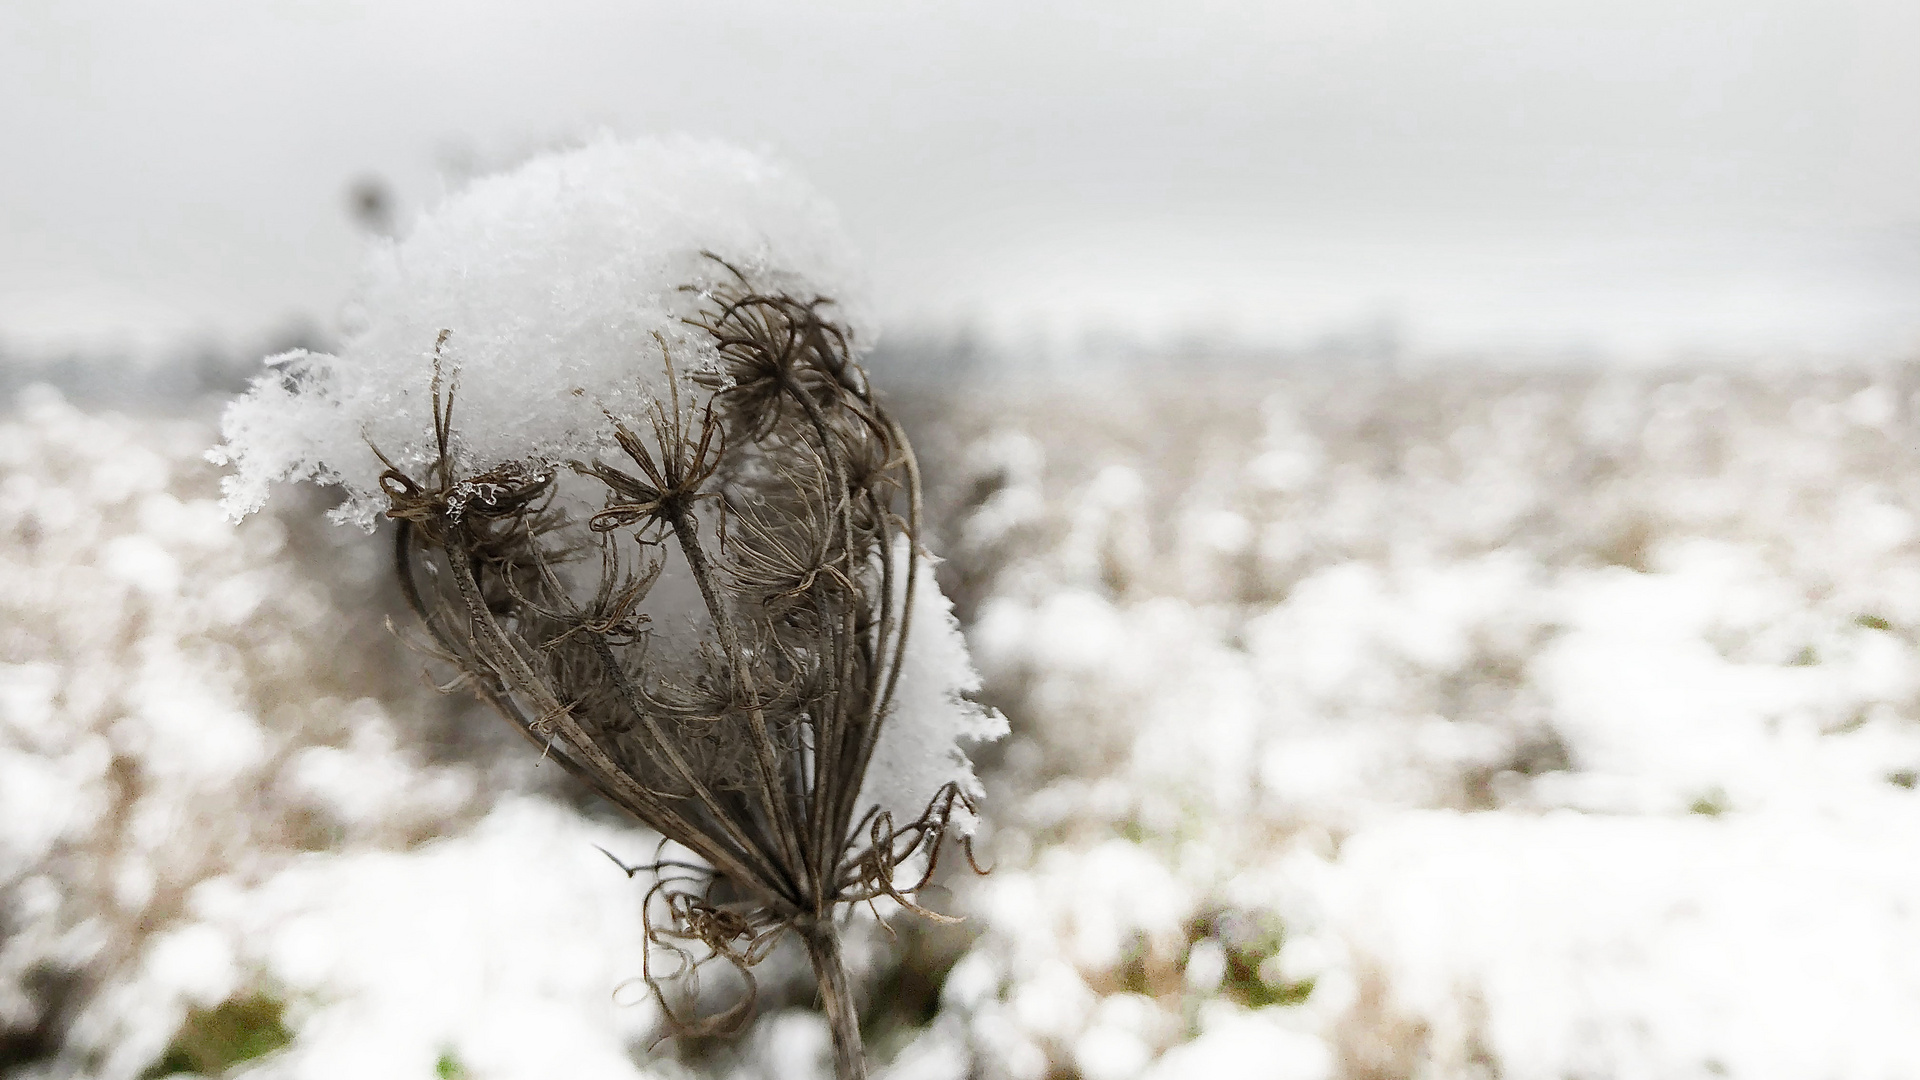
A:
(1635, 175)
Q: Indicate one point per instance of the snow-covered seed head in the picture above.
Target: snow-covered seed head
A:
(649, 506)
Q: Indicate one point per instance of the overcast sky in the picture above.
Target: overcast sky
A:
(1630, 176)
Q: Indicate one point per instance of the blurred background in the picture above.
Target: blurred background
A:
(1433, 488)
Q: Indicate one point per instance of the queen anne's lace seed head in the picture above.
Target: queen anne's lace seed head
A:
(650, 508)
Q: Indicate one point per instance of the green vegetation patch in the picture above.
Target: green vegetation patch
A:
(211, 1041)
(1712, 803)
(907, 997)
(1250, 939)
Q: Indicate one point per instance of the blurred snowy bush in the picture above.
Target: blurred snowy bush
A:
(1554, 725)
(220, 782)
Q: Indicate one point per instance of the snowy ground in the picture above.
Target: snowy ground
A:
(1467, 725)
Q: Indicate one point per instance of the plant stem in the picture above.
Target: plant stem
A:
(836, 999)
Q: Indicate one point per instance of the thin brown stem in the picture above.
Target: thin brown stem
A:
(836, 998)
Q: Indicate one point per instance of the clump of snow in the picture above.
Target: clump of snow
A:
(554, 284)
(505, 948)
(1235, 1042)
(920, 749)
(1762, 945)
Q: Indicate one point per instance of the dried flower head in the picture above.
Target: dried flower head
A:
(689, 569)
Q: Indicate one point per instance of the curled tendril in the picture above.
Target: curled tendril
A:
(875, 870)
(698, 930)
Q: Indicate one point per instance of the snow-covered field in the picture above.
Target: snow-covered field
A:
(1461, 724)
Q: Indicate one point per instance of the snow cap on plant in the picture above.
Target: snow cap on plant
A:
(649, 506)
(553, 280)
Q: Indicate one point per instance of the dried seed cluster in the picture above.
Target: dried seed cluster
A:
(774, 484)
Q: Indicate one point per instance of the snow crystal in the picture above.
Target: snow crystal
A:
(555, 285)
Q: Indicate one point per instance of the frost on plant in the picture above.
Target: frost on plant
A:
(650, 508)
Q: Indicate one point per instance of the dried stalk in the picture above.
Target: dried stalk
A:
(775, 480)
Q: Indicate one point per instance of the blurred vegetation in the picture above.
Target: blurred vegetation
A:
(906, 998)
(1249, 939)
(211, 1041)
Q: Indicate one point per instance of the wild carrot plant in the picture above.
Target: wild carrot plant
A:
(676, 544)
